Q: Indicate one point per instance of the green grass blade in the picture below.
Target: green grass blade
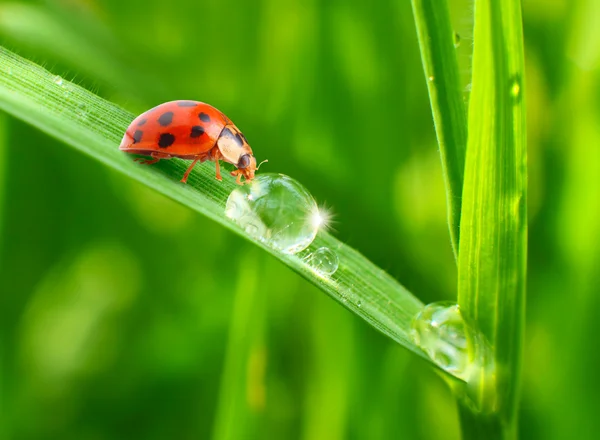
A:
(239, 406)
(436, 40)
(3, 163)
(492, 256)
(95, 127)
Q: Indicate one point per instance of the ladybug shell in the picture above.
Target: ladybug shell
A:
(185, 129)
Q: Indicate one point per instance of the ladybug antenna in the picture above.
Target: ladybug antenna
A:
(266, 160)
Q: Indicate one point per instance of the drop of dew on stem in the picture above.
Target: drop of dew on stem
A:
(431, 78)
(515, 89)
(459, 348)
(456, 40)
(82, 111)
(324, 261)
(58, 81)
(277, 210)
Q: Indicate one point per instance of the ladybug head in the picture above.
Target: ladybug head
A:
(247, 166)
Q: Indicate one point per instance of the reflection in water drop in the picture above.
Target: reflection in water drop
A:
(515, 89)
(252, 229)
(456, 39)
(324, 261)
(431, 78)
(459, 348)
(58, 80)
(276, 209)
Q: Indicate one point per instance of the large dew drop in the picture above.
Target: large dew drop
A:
(276, 209)
(459, 348)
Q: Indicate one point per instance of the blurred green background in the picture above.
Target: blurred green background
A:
(126, 316)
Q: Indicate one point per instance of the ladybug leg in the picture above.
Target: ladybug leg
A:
(218, 167)
(190, 168)
(155, 158)
(143, 161)
(215, 155)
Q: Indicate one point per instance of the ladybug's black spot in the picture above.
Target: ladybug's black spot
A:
(239, 139)
(187, 103)
(142, 122)
(197, 131)
(137, 136)
(166, 140)
(165, 119)
(204, 117)
(226, 133)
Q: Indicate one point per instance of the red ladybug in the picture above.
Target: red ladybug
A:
(189, 130)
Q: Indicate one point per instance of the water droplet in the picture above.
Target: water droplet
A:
(10, 70)
(58, 80)
(431, 78)
(459, 348)
(82, 111)
(252, 229)
(515, 89)
(324, 261)
(468, 88)
(359, 303)
(456, 40)
(279, 211)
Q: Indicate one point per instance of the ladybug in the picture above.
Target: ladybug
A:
(189, 130)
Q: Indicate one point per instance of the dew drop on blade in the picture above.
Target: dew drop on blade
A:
(515, 89)
(324, 261)
(456, 40)
(277, 210)
(458, 347)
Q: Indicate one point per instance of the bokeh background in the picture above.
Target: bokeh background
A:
(126, 316)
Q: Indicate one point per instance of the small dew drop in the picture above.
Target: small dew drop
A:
(324, 261)
(431, 78)
(456, 40)
(359, 303)
(276, 209)
(252, 229)
(457, 347)
(515, 89)
(82, 111)
(10, 70)
(58, 80)
(468, 88)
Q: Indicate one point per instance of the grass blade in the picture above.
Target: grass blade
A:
(3, 146)
(492, 257)
(241, 398)
(436, 40)
(95, 126)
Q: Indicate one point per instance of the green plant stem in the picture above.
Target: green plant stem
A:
(492, 253)
(437, 42)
